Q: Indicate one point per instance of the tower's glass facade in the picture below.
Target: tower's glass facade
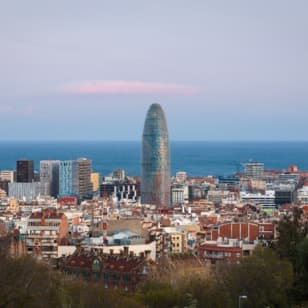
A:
(155, 175)
(68, 178)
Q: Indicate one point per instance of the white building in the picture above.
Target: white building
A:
(28, 191)
(181, 176)
(302, 194)
(266, 200)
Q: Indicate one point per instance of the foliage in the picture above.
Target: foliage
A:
(291, 232)
(263, 278)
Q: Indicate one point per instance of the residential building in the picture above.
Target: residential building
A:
(179, 194)
(45, 231)
(177, 242)
(115, 271)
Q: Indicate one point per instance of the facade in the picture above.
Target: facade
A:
(24, 171)
(122, 270)
(179, 194)
(95, 180)
(181, 176)
(214, 251)
(266, 200)
(28, 191)
(302, 195)
(45, 231)
(85, 185)
(49, 177)
(7, 175)
(177, 242)
(155, 174)
(4, 185)
(118, 175)
(254, 170)
(122, 191)
(69, 178)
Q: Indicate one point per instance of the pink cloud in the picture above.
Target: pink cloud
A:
(129, 87)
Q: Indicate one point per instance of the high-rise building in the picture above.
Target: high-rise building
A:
(69, 178)
(24, 171)
(254, 170)
(155, 177)
(85, 185)
(49, 177)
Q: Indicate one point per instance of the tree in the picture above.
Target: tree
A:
(291, 232)
(263, 278)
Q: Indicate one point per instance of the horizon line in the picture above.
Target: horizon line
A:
(140, 140)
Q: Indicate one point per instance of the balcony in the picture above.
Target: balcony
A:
(42, 236)
(42, 228)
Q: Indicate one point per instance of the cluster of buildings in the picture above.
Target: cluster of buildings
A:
(116, 229)
(55, 179)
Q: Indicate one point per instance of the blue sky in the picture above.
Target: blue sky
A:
(222, 70)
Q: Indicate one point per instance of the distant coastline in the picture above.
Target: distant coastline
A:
(198, 158)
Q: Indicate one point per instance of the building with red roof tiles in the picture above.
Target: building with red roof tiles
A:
(116, 271)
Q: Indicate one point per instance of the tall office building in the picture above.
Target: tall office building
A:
(69, 178)
(85, 184)
(155, 175)
(24, 171)
(49, 177)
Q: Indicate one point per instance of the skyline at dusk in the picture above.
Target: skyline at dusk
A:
(221, 70)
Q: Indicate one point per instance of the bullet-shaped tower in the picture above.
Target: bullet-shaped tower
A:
(155, 175)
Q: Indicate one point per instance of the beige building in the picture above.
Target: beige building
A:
(7, 175)
(177, 242)
(2, 194)
(95, 180)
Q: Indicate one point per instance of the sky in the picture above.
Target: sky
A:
(89, 70)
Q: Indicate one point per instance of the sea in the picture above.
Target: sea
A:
(197, 158)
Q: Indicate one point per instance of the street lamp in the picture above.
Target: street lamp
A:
(240, 298)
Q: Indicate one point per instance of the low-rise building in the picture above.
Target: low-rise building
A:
(117, 271)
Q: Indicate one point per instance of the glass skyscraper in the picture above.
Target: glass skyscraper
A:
(69, 178)
(155, 174)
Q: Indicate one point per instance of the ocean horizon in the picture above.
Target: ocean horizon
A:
(197, 158)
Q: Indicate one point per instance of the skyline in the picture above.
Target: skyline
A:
(221, 71)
